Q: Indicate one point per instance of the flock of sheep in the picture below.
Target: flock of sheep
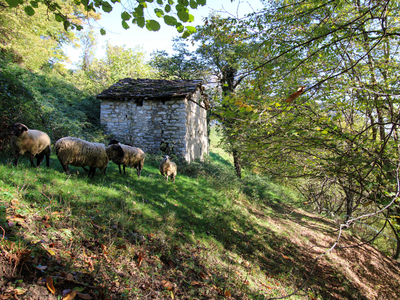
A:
(79, 153)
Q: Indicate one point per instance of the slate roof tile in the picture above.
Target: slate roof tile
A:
(150, 89)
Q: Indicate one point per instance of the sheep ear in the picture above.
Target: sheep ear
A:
(23, 128)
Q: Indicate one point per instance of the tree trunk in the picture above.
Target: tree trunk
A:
(237, 163)
(349, 202)
(228, 87)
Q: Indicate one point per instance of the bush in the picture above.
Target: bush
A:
(45, 102)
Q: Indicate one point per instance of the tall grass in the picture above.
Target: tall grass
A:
(205, 222)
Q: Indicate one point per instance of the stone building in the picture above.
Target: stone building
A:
(154, 115)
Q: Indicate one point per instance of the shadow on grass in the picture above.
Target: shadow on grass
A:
(190, 210)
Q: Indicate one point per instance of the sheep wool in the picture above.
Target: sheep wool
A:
(80, 153)
(132, 157)
(168, 168)
(34, 142)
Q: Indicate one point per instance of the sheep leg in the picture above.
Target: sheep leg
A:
(119, 167)
(39, 158)
(138, 171)
(17, 155)
(92, 171)
(47, 153)
(31, 156)
(66, 168)
(48, 160)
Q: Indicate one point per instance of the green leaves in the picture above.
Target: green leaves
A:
(59, 18)
(29, 10)
(141, 14)
(193, 4)
(171, 21)
(34, 4)
(125, 25)
(159, 12)
(13, 3)
(125, 16)
(106, 6)
(183, 15)
(189, 30)
(140, 22)
(152, 25)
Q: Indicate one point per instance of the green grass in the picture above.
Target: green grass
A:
(205, 236)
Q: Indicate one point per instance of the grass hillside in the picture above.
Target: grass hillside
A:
(207, 236)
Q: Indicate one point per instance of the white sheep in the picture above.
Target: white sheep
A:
(168, 168)
(133, 157)
(80, 153)
(35, 142)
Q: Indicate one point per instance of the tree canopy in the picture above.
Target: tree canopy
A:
(143, 13)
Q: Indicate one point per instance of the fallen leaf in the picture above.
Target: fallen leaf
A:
(70, 276)
(171, 264)
(246, 282)
(168, 285)
(202, 275)
(84, 296)
(16, 219)
(49, 284)
(41, 268)
(268, 287)
(218, 289)
(228, 294)
(19, 291)
(140, 259)
(91, 266)
(71, 295)
(195, 283)
(285, 257)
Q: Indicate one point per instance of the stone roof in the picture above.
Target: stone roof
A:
(154, 89)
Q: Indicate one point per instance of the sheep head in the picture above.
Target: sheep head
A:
(115, 151)
(18, 129)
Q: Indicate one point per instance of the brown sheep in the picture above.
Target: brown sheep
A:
(133, 157)
(80, 153)
(168, 168)
(32, 141)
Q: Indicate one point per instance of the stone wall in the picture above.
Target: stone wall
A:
(196, 141)
(178, 126)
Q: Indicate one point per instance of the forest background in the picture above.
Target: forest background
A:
(305, 92)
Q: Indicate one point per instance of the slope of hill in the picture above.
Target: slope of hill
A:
(208, 236)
